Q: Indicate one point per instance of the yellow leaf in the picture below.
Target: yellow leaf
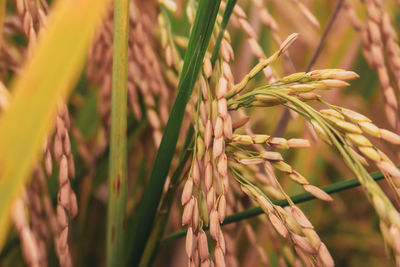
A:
(46, 80)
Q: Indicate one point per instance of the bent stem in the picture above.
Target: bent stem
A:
(299, 198)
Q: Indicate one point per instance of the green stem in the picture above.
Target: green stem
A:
(334, 188)
(160, 224)
(227, 14)
(153, 244)
(198, 43)
(117, 179)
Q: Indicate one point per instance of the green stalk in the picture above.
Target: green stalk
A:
(153, 243)
(227, 14)
(243, 215)
(299, 198)
(117, 178)
(198, 43)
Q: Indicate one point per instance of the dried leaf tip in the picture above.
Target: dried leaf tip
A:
(288, 42)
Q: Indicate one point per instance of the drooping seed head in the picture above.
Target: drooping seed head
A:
(189, 245)
(219, 127)
(208, 133)
(218, 147)
(63, 172)
(73, 204)
(370, 153)
(288, 42)
(219, 257)
(334, 83)
(298, 143)
(187, 191)
(300, 217)
(202, 245)
(260, 138)
(242, 139)
(278, 225)
(324, 256)
(282, 166)
(358, 139)
(214, 224)
(343, 75)
(228, 127)
(240, 122)
(222, 209)
(196, 172)
(298, 178)
(304, 244)
(222, 87)
(317, 192)
(370, 128)
(390, 136)
(188, 212)
(271, 155)
(388, 168)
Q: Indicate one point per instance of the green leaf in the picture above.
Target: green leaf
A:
(198, 43)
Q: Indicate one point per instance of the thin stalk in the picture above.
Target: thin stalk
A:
(325, 35)
(227, 14)
(160, 224)
(198, 43)
(284, 120)
(153, 244)
(299, 198)
(117, 179)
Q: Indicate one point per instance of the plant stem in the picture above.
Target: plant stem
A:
(227, 14)
(334, 188)
(325, 35)
(117, 179)
(152, 245)
(284, 120)
(198, 43)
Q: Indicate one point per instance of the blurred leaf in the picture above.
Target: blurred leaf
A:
(88, 120)
(46, 80)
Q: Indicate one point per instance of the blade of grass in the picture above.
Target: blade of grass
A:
(198, 42)
(157, 232)
(243, 215)
(153, 244)
(227, 15)
(117, 178)
(48, 77)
